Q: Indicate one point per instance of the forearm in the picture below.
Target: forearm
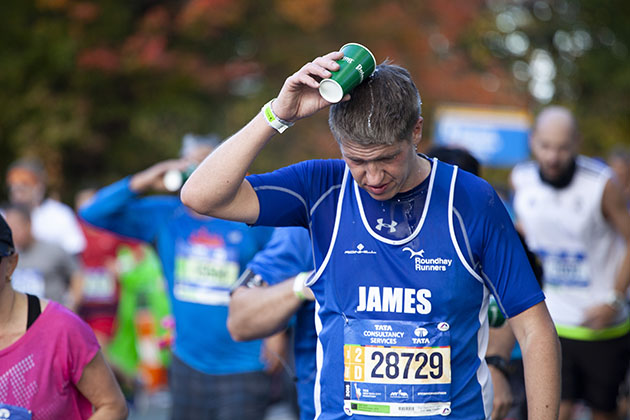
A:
(103, 208)
(542, 379)
(99, 386)
(112, 411)
(501, 342)
(541, 361)
(115, 208)
(616, 213)
(215, 187)
(622, 282)
(261, 311)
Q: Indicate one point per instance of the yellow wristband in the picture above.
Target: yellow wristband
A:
(272, 119)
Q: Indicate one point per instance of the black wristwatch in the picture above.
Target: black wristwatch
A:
(499, 363)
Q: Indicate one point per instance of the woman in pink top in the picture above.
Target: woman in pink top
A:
(51, 366)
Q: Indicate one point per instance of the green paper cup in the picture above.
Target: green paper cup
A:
(357, 64)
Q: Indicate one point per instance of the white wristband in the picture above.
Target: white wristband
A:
(616, 300)
(272, 119)
(298, 284)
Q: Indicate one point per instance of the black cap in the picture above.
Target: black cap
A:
(6, 239)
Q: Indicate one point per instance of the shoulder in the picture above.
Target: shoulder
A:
(323, 166)
(592, 168)
(311, 178)
(473, 190)
(74, 342)
(63, 321)
(318, 169)
(55, 310)
(54, 208)
(478, 204)
(326, 168)
(523, 172)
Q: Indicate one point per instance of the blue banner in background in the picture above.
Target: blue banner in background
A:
(495, 136)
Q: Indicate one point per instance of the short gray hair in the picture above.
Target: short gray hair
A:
(382, 110)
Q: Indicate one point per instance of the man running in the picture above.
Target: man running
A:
(407, 251)
(574, 218)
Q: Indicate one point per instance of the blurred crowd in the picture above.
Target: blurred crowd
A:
(136, 268)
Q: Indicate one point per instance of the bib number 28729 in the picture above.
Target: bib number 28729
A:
(397, 368)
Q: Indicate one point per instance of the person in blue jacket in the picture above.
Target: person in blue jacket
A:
(257, 311)
(212, 376)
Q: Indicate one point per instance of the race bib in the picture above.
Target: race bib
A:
(204, 274)
(397, 368)
(562, 269)
(99, 285)
(11, 412)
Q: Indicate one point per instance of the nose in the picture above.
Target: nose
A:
(554, 156)
(373, 174)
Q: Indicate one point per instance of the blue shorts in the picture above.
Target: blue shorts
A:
(199, 396)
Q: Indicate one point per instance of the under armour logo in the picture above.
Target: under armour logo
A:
(414, 253)
(391, 226)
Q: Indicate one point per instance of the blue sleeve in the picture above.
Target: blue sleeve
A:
(118, 209)
(287, 254)
(496, 246)
(286, 196)
(263, 235)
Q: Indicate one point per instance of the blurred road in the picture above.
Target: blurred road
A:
(157, 407)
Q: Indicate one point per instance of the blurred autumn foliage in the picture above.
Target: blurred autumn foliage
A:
(102, 89)
(572, 52)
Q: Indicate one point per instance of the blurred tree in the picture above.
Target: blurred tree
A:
(570, 52)
(101, 89)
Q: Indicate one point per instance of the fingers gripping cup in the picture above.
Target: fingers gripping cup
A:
(357, 64)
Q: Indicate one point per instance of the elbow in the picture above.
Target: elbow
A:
(123, 411)
(189, 198)
(240, 327)
(117, 410)
(195, 199)
(236, 330)
(85, 214)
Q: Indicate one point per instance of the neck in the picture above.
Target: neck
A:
(26, 244)
(563, 180)
(420, 171)
(7, 306)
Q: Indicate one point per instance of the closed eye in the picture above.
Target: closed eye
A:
(356, 161)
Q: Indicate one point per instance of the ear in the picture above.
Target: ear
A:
(12, 260)
(417, 131)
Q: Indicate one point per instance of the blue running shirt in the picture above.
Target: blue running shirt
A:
(201, 257)
(287, 254)
(402, 318)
